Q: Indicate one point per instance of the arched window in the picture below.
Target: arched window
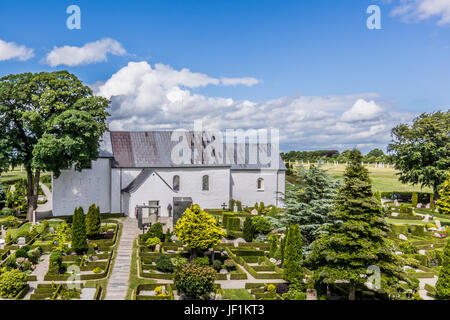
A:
(205, 183)
(176, 183)
(260, 184)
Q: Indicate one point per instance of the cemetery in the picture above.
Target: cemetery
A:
(47, 262)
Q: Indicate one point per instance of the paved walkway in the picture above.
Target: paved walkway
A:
(47, 207)
(422, 282)
(39, 272)
(118, 282)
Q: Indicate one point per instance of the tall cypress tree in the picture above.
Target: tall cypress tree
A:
(292, 264)
(355, 238)
(93, 221)
(443, 283)
(79, 243)
(249, 229)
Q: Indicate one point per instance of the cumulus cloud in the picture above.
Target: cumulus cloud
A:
(146, 98)
(418, 10)
(11, 50)
(91, 52)
(362, 110)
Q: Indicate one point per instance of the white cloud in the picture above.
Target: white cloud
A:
(362, 111)
(239, 81)
(91, 52)
(146, 98)
(11, 50)
(419, 10)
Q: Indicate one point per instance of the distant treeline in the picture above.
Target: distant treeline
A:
(376, 155)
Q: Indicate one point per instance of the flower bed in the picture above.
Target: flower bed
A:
(147, 292)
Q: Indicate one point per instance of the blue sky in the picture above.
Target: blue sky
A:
(316, 64)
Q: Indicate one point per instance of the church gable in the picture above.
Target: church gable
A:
(147, 176)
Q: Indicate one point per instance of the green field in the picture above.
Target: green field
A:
(6, 177)
(383, 179)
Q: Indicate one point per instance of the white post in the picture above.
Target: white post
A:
(34, 217)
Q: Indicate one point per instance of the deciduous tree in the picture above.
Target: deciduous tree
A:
(48, 122)
(422, 150)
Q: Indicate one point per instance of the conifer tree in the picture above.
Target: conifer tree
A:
(355, 239)
(79, 243)
(443, 283)
(292, 265)
(93, 221)
(310, 204)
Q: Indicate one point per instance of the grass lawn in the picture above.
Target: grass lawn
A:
(17, 173)
(383, 179)
(238, 294)
(27, 226)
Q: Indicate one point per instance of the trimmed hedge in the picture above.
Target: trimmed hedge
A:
(22, 292)
(405, 196)
(151, 287)
(233, 223)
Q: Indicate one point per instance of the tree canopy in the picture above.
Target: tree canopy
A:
(422, 150)
(48, 122)
(198, 230)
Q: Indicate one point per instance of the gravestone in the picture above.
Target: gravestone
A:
(235, 208)
(311, 294)
(427, 218)
(254, 212)
(422, 252)
(21, 241)
(396, 203)
(274, 261)
(394, 214)
(174, 238)
(240, 240)
(158, 248)
(427, 206)
(402, 237)
(223, 271)
(3, 233)
(438, 225)
(419, 205)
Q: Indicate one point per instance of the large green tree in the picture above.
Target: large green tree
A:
(48, 122)
(310, 203)
(422, 150)
(355, 238)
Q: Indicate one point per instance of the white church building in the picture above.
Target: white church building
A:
(142, 169)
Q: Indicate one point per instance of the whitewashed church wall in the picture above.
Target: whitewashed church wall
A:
(73, 189)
